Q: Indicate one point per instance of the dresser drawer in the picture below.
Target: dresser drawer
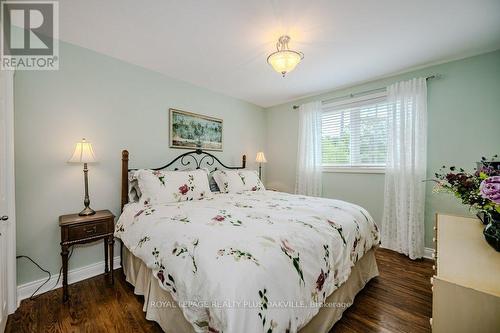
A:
(78, 232)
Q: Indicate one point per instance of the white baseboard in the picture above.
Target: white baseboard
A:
(428, 252)
(78, 274)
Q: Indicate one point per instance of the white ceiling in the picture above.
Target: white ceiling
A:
(223, 44)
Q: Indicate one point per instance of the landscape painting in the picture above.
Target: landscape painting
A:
(194, 131)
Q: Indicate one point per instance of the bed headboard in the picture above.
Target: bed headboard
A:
(193, 159)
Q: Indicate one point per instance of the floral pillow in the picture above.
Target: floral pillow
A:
(173, 186)
(232, 181)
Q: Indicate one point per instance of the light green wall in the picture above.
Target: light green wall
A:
(463, 125)
(115, 105)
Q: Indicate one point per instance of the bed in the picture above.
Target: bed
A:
(250, 261)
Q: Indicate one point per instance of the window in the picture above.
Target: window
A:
(354, 135)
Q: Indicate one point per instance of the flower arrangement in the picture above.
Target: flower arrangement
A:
(479, 190)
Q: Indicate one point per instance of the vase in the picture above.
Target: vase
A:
(483, 217)
(492, 233)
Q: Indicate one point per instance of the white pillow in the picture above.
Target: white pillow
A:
(232, 181)
(173, 186)
(134, 193)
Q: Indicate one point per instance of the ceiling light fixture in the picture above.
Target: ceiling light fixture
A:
(284, 60)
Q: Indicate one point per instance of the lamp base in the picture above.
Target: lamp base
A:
(87, 211)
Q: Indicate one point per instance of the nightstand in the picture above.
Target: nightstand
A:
(76, 229)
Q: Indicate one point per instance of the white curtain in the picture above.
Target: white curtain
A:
(308, 180)
(404, 198)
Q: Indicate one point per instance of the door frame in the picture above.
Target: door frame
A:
(11, 194)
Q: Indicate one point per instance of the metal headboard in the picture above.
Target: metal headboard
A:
(193, 159)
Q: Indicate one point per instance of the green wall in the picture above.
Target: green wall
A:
(117, 105)
(114, 105)
(463, 125)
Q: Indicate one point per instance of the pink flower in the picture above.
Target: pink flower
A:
(219, 218)
(160, 276)
(320, 281)
(333, 224)
(183, 189)
(285, 245)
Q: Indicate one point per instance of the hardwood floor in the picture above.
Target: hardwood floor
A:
(399, 300)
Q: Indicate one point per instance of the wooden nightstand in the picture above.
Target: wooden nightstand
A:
(77, 229)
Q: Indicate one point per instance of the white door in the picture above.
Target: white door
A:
(7, 211)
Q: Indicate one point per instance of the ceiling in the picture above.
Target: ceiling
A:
(223, 44)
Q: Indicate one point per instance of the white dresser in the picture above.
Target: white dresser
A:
(466, 284)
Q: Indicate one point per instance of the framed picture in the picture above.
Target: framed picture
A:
(194, 131)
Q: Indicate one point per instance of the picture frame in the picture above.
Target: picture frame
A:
(190, 130)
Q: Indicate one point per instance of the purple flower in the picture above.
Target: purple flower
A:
(490, 189)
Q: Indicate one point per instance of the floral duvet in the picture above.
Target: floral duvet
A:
(259, 261)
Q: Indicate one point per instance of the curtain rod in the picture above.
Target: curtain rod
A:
(434, 76)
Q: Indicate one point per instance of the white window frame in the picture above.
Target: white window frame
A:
(351, 168)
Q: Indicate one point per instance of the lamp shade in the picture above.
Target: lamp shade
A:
(260, 157)
(84, 153)
(284, 61)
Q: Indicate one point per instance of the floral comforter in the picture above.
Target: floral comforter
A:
(251, 262)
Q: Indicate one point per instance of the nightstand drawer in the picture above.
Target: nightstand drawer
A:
(78, 232)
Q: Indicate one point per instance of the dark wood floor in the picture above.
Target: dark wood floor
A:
(399, 300)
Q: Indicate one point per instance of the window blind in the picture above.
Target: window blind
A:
(355, 134)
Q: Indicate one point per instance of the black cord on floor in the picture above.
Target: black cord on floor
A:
(32, 297)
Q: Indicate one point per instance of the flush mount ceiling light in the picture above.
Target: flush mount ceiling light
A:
(284, 60)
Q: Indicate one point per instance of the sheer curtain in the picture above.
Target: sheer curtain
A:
(404, 198)
(308, 179)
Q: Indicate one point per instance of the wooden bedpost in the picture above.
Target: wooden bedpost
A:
(124, 192)
(124, 178)
(244, 161)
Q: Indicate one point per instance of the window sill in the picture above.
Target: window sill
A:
(353, 169)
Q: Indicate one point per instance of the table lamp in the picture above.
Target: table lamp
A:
(260, 159)
(84, 154)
